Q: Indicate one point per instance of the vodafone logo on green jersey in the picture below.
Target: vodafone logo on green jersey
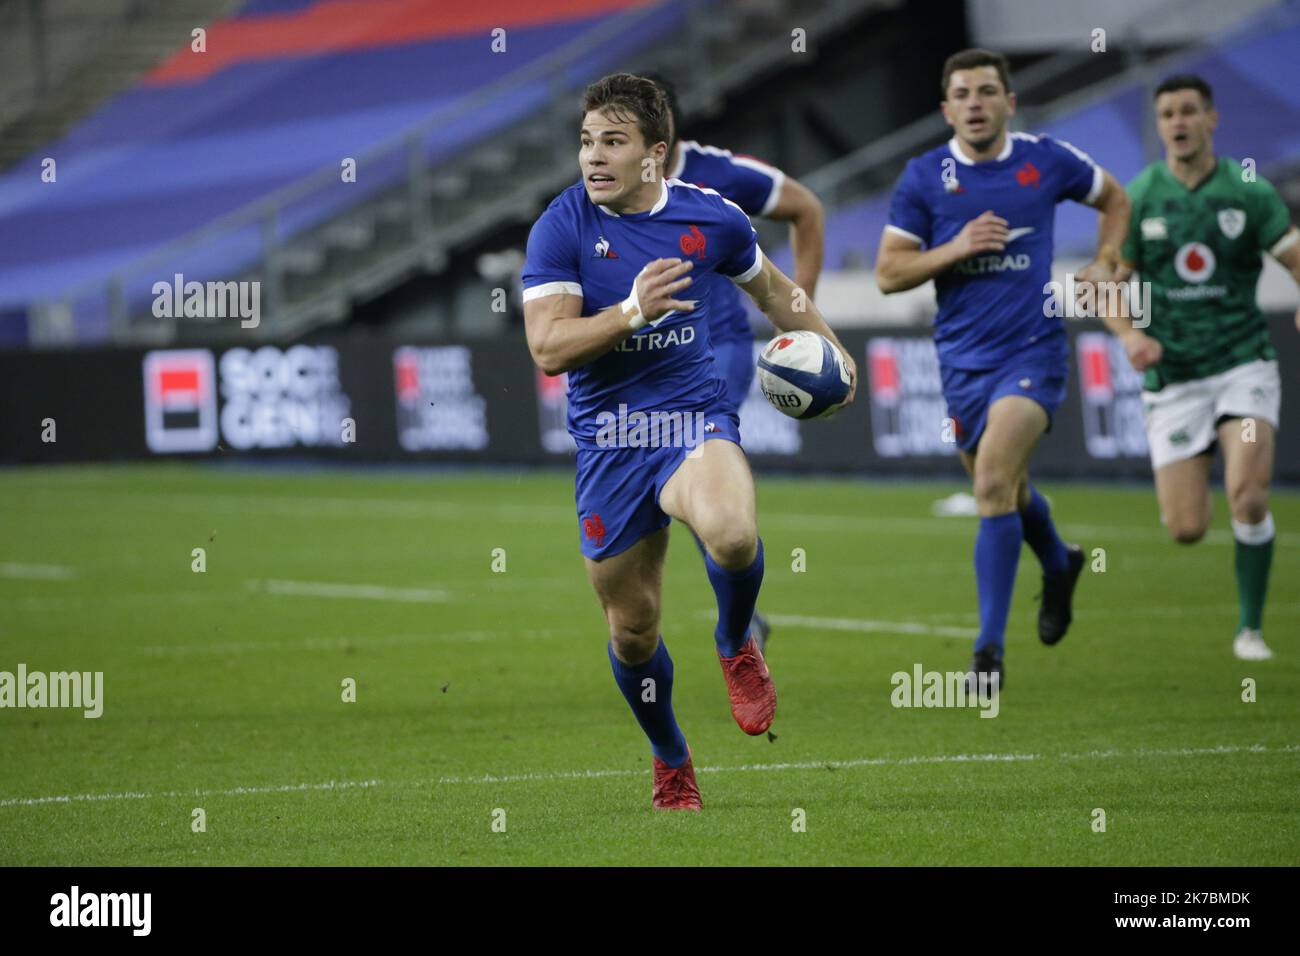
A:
(1194, 262)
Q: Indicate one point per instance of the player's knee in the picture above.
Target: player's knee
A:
(1023, 497)
(1187, 530)
(1248, 503)
(734, 543)
(996, 489)
(634, 636)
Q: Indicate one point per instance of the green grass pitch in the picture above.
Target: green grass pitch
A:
(480, 691)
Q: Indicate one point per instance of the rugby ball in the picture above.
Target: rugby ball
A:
(803, 375)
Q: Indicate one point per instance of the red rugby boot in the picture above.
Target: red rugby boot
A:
(675, 787)
(750, 687)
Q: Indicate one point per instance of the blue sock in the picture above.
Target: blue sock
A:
(737, 593)
(997, 552)
(704, 553)
(1041, 536)
(652, 704)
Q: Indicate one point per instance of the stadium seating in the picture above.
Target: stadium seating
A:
(285, 88)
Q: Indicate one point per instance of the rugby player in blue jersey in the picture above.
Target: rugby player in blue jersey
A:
(760, 190)
(608, 298)
(976, 215)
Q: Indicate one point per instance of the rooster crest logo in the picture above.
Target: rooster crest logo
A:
(693, 243)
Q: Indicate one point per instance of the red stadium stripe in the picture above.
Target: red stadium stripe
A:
(341, 25)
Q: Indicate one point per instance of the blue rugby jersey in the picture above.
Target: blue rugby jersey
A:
(752, 185)
(581, 248)
(992, 305)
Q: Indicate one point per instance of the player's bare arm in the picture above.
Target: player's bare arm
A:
(1113, 211)
(560, 338)
(801, 208)
(1287, 252)
(1142, 350)
(901, 264)
(780, 300)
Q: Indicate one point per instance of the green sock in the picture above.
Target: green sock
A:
(1253, 560)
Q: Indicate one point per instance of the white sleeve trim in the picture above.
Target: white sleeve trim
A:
(753, 270)
(1289, 239)
(778, 183)
(905, 234)
(771, 172)
(1077, 152)
(552, 288)
(1098, 181)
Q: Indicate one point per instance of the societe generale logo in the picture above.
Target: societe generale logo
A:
(180, 401)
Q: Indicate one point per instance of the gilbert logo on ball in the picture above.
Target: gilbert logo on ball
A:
(803, 375)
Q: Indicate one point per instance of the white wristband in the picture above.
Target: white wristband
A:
(632, 310)
(632, 307)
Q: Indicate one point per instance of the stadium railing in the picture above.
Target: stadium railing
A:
(315, 248)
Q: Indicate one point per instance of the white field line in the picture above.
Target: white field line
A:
(327, 589)
(886, 762)
(232, 792)
(338, 643)
(101, 600)
(867, 626)
(367, 508)
(500, 584)
(329, 507)
(753, 767)
(37, 572)
(852, 625)
(597, 774)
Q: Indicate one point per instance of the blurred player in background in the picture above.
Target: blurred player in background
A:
(760, 190)
(608, 267)
(976, 215)
(1200, 227)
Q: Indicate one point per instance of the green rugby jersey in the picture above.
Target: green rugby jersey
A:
(1201, 250)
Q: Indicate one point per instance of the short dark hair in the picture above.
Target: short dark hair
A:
(969, 59)
(674, 105)
(623, 97)
(1185, 81)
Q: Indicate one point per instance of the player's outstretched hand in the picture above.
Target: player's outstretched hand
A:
(1143, 351)
(658, 282)
(987, 232)
(1094, 271)
(853, 378)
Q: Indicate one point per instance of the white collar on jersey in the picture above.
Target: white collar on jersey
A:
(954, 147)
(663, 201)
